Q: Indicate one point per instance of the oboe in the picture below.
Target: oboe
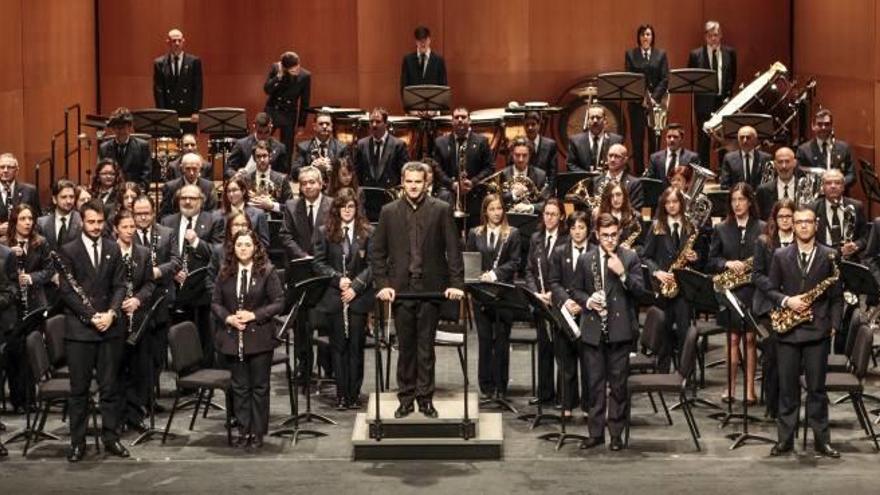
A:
(23, 288)
(129, 287)
(240, 306)
(600, 287)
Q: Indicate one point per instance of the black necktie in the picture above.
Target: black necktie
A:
(120, 154)
(804, 267)
(676, 237)
(594, 151)
(175, 71)
(825, 161)
(492, 240)
(785, 192)
(713, 64)
(96, 258)
(603, 264)
(311, 217)
(243, 285)
(189, 226)
(645, 54)
(672, 162)
(346, 242)
(62, 232)
(548, 243)
(747, 168)
(835, 225)
(323, 150)
(422, 62)
(742, 242)
(377, 149)
(144, 237)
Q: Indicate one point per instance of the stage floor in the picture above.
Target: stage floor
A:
(660, 459)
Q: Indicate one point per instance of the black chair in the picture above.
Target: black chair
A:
(652, 342)
(186, 358)
(54, 332)
(671, 383)
(528, 336)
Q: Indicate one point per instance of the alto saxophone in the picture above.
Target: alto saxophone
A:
(628, 242)
(784, 320)
(729, 279)
(670, 290)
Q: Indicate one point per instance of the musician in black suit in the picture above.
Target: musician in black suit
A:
(288, 86)
(733, 243)
(188, 144)
(541, 244)
(783, 187)
(665, 243)
(562, 264)
(271, 188)
(778, 233)
(664, 161)
(499, 246)
(722, 60)
(826, 152)
(191, 164)
(341, 247)
(651, 62)
(7, 323)
(13, 192)
(522, 198)
(795, 271)
(94, 335)
(134, 378)
(416, 249)
(177, 78)
(618, 171)
(246, 298)
(545, 155)
(242, 152)
(63, 222)
(477, 159)
(131, 153)
(746, 164)
(323, 145)
(588, 150)
(193, 232)
(237, 199)
(107, 184)
(840, 221)
(607, 285)
(422, 66)
(379, 157)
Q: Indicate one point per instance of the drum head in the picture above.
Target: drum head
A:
(571, 119)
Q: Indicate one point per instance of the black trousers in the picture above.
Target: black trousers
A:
(493, 339)
(770, 371)
(101, 360)
(546, 383)
(639, 131)
(678, 321)
(568, 357)
(812, 359)
(416, 324)
(608, 368)
(18, 371)
(285, 122)
(348, 352)
(250, 390)
(135, 380)
(201, 316)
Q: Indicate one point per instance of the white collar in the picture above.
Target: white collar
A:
(125, 251)
(316, 203)
(670, 221)
(247, 267)
(350, 226)
(381, 139)
(88, 241)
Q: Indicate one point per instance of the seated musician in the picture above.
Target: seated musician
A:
(840, 220)
(379, 157)
(62, 223)
(191, 165)
(778, 233)
(544, 156)
(825, 151)
(188, 144)
(243, 151)
(131, 153)
(669, 245)
(617, 162)
(270, 189)
(463, 146)
(323, 145)
(107, 184)
(664, 161)
(13, 191)
(730, 253)
(783, 187)
(499, 246)
(615, 201)
(745, 164)
(341, 247)
(588, 150)
(528, 185)
(680, 177)
(434, 189)
(237, 199)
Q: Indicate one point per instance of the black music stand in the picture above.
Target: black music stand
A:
(651, 190)
(156, 123)
(858, 279)
(424, 99)
(762, 123)
(295, 272)
(567, 180)
(221, 123)
(142, 328)
(541, 312)
(729, 300)
(374, 199)
(693, 82)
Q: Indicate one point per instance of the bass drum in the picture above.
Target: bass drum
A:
(573, 114)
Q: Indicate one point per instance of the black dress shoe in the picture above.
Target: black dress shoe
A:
(404, 410)
(592, 442)
(241, 441)
(427, 408)
(341, 404)
(616, 443)
(781, 449)
(137, 425)
(116, 448)
(355, 403)
(827, 450)
(76, 453)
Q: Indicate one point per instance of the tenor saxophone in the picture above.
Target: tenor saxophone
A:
(783, 320)
(670, 290)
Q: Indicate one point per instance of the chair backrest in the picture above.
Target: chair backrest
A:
(653, 330)
(186, 349)
(688, 353)
(861, 351)
(38, 356)
(55, 327)
(855, 323)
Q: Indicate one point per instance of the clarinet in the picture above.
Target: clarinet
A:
(129, 288)
(23, 288)
(239, 306)
(597, 283)
(500, 250)
(540, 255)
(344, 304)
(74, 285)
(184, 262)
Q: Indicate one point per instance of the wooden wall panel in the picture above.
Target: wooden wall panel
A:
(11, 79)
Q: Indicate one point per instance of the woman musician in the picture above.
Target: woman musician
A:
(247, 296)
(730, 251)
(645, 59)
(236, 199)
(499, 246)
(667, 245)
(615, 201)
(341, 247)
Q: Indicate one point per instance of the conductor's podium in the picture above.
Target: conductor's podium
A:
(448, 436)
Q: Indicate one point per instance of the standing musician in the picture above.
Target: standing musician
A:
(499, 246)
(541, 244)
(544, 156)
(618, 171)
(137, 274)
(778, 233)
(272, 188)
(825, 151)
(13, 192)
(665, 248)
(520, 197)
(7, 323)
(131, 153)
(721, 59)
(607, 283)
(177, 79)
(422, 66)
(416, 249)
(341, 248)
(588, 150)
(247, 296)
(379, 157)
(63, 222)
(615, 201)
(794, 272)
(92, 290)
(745, 164)
(651, 62)
(323, 145)
(832, 217)
(190, 167)
(463, 146)
(732, 246)
(562, 263)
(288, 86)
(242, 154)
(783, 187)
(663, 162)
(237, 199)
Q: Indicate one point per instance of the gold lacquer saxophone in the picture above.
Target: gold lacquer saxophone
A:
(628, 242)
(729, 279)
(783, 320)
(670, 290)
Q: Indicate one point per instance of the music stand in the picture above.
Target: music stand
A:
(858, 279)
(729, 300)
(762, 123)
(156, 123)
(142, 328)
(541, 312)
(622, 86)
(295, 272)
(693, 82)
(426, 99)
(651, 190)
(220, 123)
(567, 180)
(374, 199)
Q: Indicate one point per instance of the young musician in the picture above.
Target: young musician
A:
(541, 244)
(665, 243)
(137, 274)
(796, 271)
(107, 184)
(778, 233)
(236, 199)
(615, 201)
(341, 247)
(498, 244)
(247, 296)
(733, 243)
(607, 281)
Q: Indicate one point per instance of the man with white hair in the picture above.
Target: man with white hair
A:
(190, 170)
(745, 164)
(13, 192)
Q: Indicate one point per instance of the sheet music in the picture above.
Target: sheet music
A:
(572, 323)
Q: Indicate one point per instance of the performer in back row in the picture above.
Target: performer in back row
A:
(651, 62)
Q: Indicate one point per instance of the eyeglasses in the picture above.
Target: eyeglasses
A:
(608, 237)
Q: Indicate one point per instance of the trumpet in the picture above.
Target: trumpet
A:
(460, 197)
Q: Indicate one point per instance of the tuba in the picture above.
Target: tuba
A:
(699, 207)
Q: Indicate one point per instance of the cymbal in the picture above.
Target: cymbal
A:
(585, 91)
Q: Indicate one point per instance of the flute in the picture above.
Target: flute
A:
(344, 304)
(239, 306)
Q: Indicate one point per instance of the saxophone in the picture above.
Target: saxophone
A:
(729, 279)
(628, 242)
(670, 290)
(784, 320)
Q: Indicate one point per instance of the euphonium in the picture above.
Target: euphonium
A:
(783, 320)
(729, 279)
